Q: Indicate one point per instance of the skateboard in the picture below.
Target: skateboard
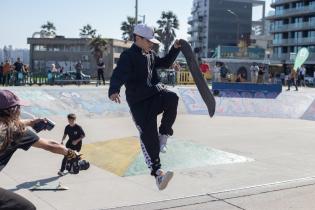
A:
(201, 83)
(53, 186)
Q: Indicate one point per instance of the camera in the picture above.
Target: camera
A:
(44, 125)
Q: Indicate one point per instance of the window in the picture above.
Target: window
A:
(40, 48)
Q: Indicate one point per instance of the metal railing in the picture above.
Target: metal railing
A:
(291, 11)
(38, 78)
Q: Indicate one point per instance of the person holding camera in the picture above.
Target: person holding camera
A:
(75, 134)
(15, 134)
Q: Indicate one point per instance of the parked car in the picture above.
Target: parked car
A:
(70, 78)
(309, 81)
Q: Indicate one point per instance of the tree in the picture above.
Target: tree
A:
(87, 32)
(166, 29)
(49, 28)
(127, 28)
(98, 46)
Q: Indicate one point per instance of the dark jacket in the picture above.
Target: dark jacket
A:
(137, 71)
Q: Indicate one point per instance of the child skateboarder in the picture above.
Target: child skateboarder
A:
(75, 134)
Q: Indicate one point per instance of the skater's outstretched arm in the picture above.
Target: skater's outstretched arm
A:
(51, 146)
(169, 59)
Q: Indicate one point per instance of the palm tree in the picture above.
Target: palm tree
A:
(87, 32)
(166, 29)
(49, 28)
(127, 28)
(98, 46)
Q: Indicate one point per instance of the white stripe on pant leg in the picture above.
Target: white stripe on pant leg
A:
(147, 158)
(146, 155)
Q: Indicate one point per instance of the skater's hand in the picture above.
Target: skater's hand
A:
(71, 154)
(72, 164)
(177, 44)
(115, 97)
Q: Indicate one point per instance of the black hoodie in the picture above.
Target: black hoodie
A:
(137, 71)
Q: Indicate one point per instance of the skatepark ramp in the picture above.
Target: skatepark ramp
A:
(92, 102)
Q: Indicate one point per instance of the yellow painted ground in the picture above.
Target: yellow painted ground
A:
(114, 155)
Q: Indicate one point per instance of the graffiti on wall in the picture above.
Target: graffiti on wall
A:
(56, 102)
(285, 105)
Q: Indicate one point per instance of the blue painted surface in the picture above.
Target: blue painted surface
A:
(247, 90)
(183, 154)
(193, 101)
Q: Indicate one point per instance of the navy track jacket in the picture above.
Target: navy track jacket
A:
(137, 71)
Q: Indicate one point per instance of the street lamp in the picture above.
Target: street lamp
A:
(143, 18)
(136, 11)
(238, 23)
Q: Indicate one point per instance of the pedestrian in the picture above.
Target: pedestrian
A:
(254, 68)
(53, 73)
(146, 97)
(100, 71)
(6, 72)
(261, 73)
(216, 72)
(78, 68)
(223, 73)
(15, 134)
(1, 73)
(292, 80)
(19, 71)
(75, 134)
(302, 75)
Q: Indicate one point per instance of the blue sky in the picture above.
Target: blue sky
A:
(20, 18)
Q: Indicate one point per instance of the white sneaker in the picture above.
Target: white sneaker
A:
(163, 141)
(60, 173)
(163, 179)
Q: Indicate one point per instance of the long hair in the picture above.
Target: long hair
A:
(10, 126)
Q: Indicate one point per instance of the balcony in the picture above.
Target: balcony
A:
(280, 2)
(294, 41)
(293, 27)
(292, 12)
(288, 57)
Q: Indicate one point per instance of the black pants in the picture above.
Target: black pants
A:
(13, 201)
(76, 147)
(100, 73)
(292, 82)
(145, 116)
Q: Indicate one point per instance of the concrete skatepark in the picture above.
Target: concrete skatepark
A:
(254, 154)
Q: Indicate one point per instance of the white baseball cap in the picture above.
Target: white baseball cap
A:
(146, 32)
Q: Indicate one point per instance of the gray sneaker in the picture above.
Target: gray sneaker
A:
(163, 179)
(163, 141)
(61, 173)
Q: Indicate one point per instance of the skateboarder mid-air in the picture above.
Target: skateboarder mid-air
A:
(15, 134)
(146, 97)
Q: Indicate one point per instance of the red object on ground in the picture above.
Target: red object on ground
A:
(204, 67)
